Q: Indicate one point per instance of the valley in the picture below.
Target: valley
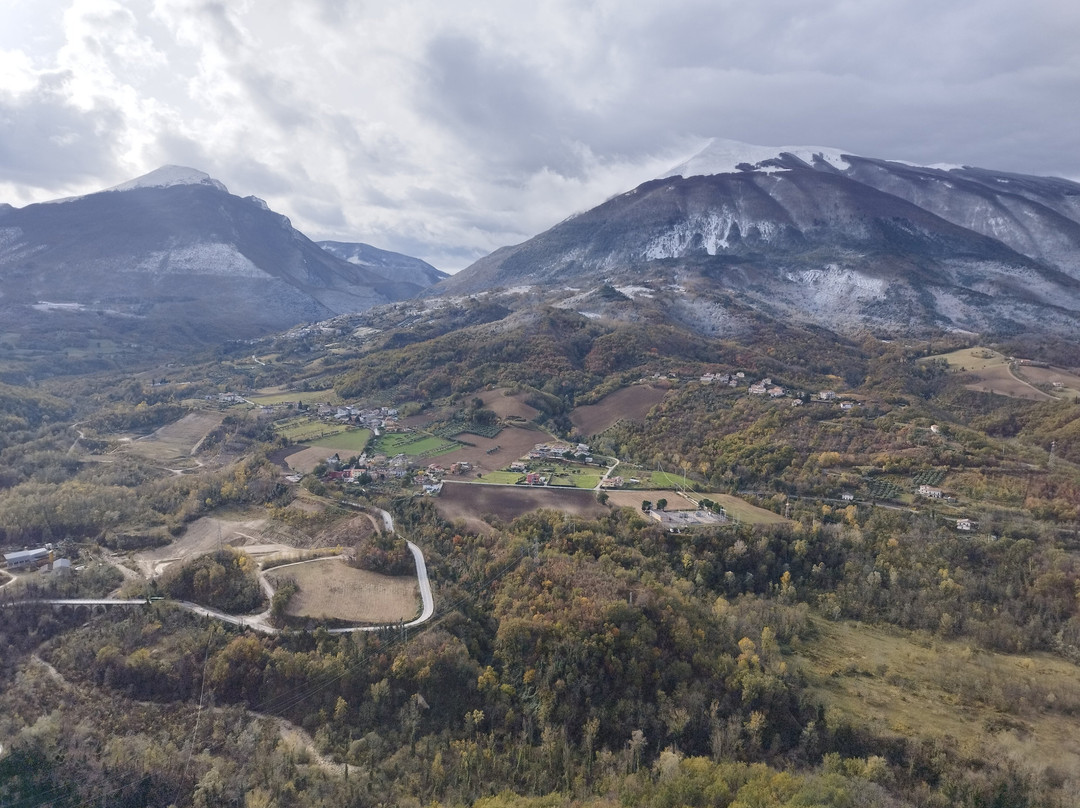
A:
(674, 504)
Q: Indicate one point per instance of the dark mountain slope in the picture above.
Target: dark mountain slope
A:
(186, 258)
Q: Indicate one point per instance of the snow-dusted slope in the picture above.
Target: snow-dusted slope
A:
(816, 234)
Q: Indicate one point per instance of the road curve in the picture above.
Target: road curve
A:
(258, 622)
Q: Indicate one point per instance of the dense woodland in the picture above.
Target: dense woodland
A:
(572, 661)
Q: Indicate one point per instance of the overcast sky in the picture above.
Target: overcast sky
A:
(445, 129)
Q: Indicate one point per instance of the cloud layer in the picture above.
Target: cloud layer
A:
(447, 129)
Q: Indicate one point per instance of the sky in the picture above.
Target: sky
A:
(445, 129)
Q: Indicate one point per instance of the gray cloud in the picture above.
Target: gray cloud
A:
(448, 129)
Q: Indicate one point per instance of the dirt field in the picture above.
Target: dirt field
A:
(513, 441)
(470, 501)
(512, 406)
(173, 443)
(333, 589)
(631, 403)
(208, 534)
(1070, 382)
(1000, 379)
(991, 373)
(304, 460)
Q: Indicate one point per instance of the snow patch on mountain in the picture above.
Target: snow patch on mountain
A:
(634, 291)
(712, 233)
(168, 176)
(722, 156)
(834, 283)
(199, 259)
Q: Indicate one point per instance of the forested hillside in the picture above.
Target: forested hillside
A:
(573, 660)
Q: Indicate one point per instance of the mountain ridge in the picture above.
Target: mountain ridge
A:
(824, 236)
(175, 250)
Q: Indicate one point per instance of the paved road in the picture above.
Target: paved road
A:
(260, 622)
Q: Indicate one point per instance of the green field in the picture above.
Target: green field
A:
(502, 477)
(970, 359)
(354, 440)
(653, 479)
(576, 477)
(414, 445)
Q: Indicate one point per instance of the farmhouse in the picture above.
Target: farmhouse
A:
(757, 389)
(21, 559)
(931, 492)
(612, 482)
(965, 524)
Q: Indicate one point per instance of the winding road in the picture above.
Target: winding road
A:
(261, 621)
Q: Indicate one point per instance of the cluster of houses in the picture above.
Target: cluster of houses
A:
(382, 467)
(377, 419)
(766, 387)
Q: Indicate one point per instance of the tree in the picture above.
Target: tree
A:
(646, 505)
(661, 504)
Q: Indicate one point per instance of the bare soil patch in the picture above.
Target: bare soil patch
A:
(472, 501)
(208, 534)
(331, 589)
(1070, 382)
(305, 460)
(508, 406)
(1000, 379)
(631, 404)
(175, 442)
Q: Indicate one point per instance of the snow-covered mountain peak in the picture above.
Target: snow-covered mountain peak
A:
(168, 176)
(722, 156)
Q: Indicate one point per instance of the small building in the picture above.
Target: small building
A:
(965, 524)
(24, 559)
(930, 492)
(533, 478)
(612, 482)
(827, 395)
(757, 389)
(847, 496)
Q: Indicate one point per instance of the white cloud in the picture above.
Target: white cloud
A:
(447, 129)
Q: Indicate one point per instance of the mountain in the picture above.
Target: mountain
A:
(388, 264)
(813, 235)
(173, 256)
